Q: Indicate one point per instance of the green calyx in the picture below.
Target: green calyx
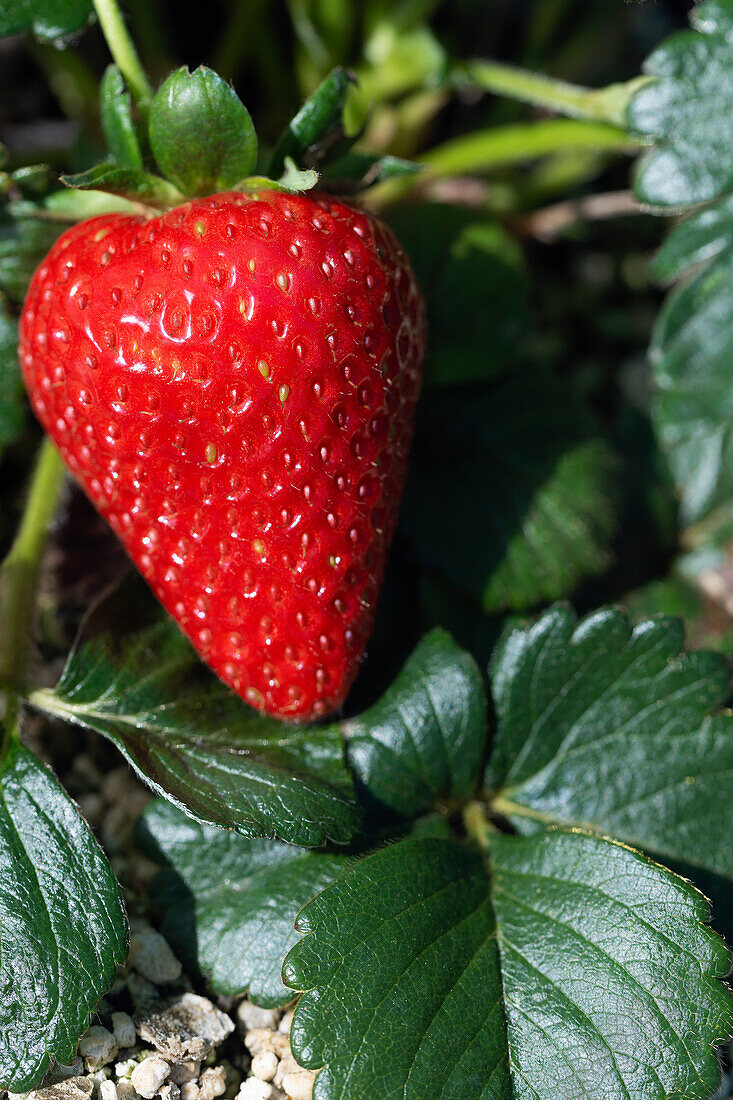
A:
(194, 137)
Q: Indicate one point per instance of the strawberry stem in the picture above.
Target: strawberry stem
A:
(123, 52)
(608, 104)
(477, 825)
(18, 579)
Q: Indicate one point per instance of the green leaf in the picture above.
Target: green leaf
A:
(49, 20)
(12, 404)
(115, 106)
(421, 745)
(293, 180)
(691, 353)
(134, 678)
(77, 206)
(512, 495)
(201, 133)
(318, 119)
(473, 277)
(548, 978)
(686, 112)
(608, 727)
(23, 244)
(62, 925)
(495, 147)
(130, 183)
(694, 241)
(229, 903)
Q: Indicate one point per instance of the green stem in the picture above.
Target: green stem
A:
(477, 825)
(18, 579)
(608, 104)
(123, 51)
(500, 804)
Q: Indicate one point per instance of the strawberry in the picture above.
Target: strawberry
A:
(233, 385)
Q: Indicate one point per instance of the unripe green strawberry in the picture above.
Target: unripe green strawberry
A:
(233, 385)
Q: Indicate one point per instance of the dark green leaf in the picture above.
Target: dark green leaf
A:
(472, 274)
(23, 244)
(606, 1027)
(129, 183)
(62, 926)
(533, 985)
(691, 354)
(12, 405)
(512, 495)
(228, 903)
(318, 118)
(605, 726)
(696, 240)
(406, 939)
(421, 745)
(47, 19)
(134, 678)
(687, 112)
(201, 133)
(115, 105)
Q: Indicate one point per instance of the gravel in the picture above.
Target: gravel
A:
(151, 956)
(97, 1047)
(156, 1036)
(149, 1075)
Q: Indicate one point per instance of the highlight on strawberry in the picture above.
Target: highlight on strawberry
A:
(310, 787)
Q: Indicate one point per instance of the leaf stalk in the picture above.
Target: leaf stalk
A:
(477, 825)
(18, 581)
(609, 104)
(123, 52)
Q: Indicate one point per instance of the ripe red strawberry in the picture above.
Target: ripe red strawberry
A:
(233, 385)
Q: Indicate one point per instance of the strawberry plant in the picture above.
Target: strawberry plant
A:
(345, 506)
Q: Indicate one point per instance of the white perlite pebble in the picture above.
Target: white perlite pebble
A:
(299, 1086)
(284, 1025)
(265, 1065)
(170, 1091)
(287, 1065)
(254, 1089)
(189, 1091)
(149, 1075)
(249, 1016)
(124, 1069)
(151, 956)
(107, 1091)
(97, 1046)
(262, 1038)
(213, 1083)
(124, 1029)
